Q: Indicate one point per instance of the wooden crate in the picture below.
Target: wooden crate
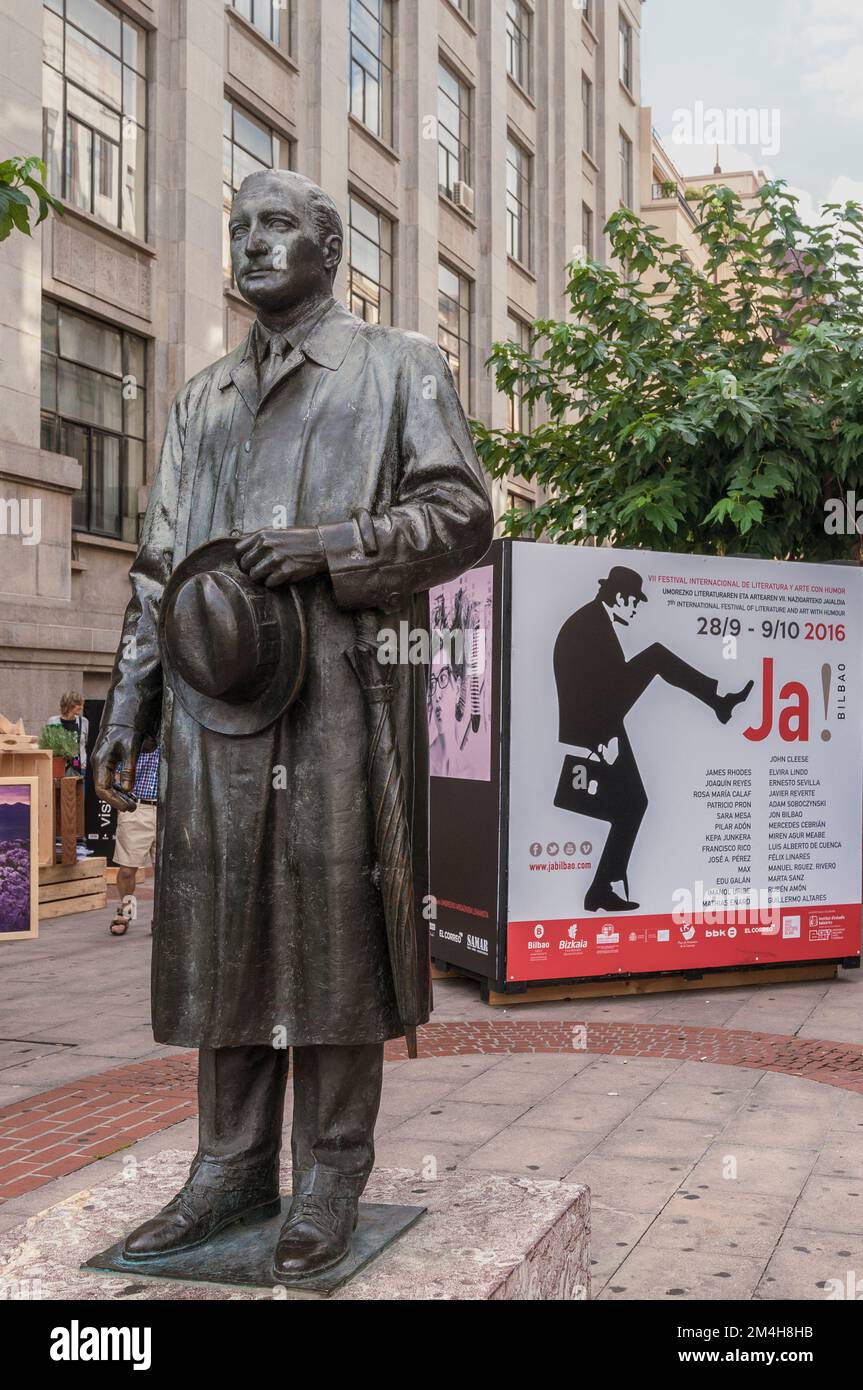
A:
(35, 762)
(68, 888)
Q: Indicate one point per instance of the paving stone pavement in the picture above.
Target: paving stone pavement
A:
(735, 1177)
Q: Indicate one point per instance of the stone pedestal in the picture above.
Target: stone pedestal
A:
(482, 1237)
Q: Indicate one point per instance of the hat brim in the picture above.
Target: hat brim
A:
(247, 716)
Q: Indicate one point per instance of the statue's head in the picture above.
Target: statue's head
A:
(286, 240)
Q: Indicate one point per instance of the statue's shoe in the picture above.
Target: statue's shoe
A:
(316, 1235)
(194, 1215)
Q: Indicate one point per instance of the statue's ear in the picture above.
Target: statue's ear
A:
(332, 251)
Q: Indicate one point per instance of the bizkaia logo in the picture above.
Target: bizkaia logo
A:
(571, 941)
(477, 944)
(538, 944)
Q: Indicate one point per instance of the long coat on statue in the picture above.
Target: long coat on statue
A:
(267, 915)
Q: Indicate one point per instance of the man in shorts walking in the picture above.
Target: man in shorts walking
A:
(135, 840)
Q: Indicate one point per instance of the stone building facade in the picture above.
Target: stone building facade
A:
(472, 146)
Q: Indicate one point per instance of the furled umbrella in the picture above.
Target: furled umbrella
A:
(386, 790)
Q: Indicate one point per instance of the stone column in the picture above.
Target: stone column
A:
(323, 118)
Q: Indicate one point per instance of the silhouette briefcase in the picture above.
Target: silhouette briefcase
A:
(579, 787)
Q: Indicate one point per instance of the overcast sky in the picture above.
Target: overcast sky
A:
(798, 63)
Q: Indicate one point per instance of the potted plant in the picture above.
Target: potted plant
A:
(63, 744)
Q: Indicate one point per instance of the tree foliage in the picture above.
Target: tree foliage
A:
(709, 410)
(19, 177)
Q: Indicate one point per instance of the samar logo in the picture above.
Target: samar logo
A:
(477, 944)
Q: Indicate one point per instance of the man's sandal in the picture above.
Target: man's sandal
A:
(119, 926)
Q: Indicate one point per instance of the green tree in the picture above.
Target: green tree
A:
(19, 177)
(710, 410)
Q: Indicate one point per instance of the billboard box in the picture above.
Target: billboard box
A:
(643, 765)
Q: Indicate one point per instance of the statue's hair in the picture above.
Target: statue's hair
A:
(322, 209)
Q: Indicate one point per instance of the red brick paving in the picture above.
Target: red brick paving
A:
(62, 1130)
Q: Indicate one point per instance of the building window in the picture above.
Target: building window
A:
(625, 170)
(464, 7)
(624, 37)
(518, 501)
(519, 21)
(248, 147)
(587, 231)
(454, 326)
(94, 111)
(587, 11)
(520, 414)
(518, 200)
(371, 65)
(276, 20)
(94, 408)
(370, 263)
(587, 137)
(453, 119)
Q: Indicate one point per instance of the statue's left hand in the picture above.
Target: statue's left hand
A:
(277, 556)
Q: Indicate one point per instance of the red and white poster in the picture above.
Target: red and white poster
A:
(686, 762)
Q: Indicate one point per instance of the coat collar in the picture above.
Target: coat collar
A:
(327, 343)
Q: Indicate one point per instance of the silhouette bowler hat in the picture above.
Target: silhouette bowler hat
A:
(234, 652)
(622, 580)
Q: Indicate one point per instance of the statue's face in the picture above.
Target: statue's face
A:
(276, 251)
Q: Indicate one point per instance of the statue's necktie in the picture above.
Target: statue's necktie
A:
(279, 347)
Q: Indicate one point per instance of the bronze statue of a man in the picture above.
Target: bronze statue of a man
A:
(320, 475)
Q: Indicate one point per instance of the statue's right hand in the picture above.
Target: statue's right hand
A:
(116, 744)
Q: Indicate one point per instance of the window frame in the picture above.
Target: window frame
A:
(286, 43)
(624, 50)
(519, 44)
(54, 420)
(463, 374)
(625, 160)
(463, 155)
(130, 126)
(588, 115)
(519, 224)
(515, 402)
(385, 253)
(588, 230)
(384, 82)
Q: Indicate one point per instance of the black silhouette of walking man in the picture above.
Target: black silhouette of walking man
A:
(596, 689)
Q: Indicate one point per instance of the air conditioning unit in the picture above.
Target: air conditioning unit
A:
(462, 195)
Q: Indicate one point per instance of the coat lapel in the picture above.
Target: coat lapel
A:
(327, 344)
(290, 363)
